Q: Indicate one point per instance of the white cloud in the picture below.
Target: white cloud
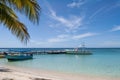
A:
(71, 23)
(117, 28)
(36, 42)
(83, 35)
(76, 3)
(54, 40)
(57, 39)
(61, 38)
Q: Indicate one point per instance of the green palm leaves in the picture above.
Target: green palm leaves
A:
(8, 17)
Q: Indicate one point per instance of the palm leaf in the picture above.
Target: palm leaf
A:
(29, 7)
(8, 18)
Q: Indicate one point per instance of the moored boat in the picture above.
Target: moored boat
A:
(18, 56)
(79, 51)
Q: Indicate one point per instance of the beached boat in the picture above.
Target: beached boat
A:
(2, 56)
(18, 56)
(79, 51)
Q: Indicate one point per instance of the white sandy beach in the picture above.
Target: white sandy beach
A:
(14, 73)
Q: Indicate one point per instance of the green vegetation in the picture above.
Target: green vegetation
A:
(9, 18)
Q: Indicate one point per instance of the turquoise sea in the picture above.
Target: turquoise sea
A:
(103, 62)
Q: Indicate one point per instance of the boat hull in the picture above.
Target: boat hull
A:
(17, 58)
(2, 56)
(79, 52)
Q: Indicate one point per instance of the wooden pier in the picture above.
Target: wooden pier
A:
(48, 52)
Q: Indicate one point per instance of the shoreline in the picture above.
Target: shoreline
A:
(17, 73)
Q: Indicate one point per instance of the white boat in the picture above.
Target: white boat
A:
(79, 51)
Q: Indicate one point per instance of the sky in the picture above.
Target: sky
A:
(69, 23)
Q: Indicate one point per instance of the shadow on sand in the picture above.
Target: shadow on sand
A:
(40, 79)
(4, 70)
(7, 79)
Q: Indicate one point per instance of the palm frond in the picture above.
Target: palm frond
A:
(9, 19)
(28, 7)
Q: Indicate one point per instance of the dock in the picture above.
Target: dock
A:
(48, 52)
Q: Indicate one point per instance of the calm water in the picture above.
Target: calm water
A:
(103, 62)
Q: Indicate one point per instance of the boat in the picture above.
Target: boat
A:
(79, 51)
(2, 56)
(18, 56)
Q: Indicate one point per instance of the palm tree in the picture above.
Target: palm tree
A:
(10, 20)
